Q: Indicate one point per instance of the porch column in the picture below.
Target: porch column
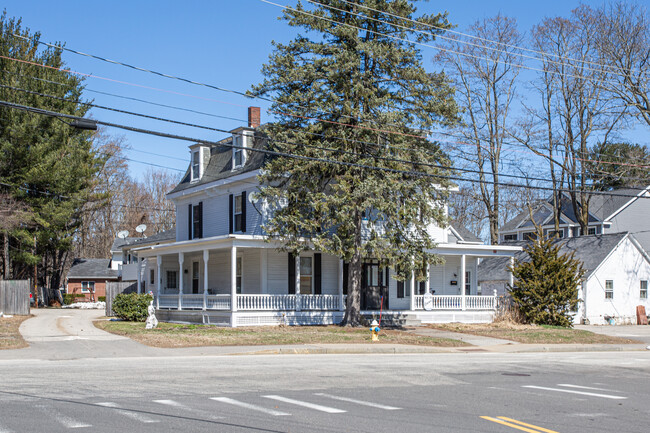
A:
(412, 290)
(158, 278)
(298, 304)
(233, 278)
(427, 288)
(512, 278)
(181, 258)
(463, 301)
(264, 271)
(476, 273)
(139, 275)
(206, 257)
(340, 284)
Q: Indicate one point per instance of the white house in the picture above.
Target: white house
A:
(616, 281)
(221, 269)
(621, 210)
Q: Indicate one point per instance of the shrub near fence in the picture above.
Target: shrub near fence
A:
(132, 306)
(14, 297)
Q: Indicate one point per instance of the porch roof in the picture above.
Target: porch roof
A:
(252, 241)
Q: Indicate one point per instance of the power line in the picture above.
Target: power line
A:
(295, 115)
(526, 178)
(308, 158)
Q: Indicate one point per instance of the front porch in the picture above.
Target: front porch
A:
(241, 280)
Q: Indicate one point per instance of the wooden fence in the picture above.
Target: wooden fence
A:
(114, 288)
(14, 297)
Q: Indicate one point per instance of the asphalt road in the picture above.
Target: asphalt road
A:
(472, 392)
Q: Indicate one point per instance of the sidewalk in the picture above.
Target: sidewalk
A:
(70, 334)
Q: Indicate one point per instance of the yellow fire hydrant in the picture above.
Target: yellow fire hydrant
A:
(374, 328)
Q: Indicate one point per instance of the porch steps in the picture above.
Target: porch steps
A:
(396, 320)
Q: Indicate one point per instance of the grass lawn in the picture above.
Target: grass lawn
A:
(534, 334)
(180, 335)
(10, 338)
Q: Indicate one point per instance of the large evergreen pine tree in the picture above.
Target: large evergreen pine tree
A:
(353, 90)
(46, 164)
(546, 283)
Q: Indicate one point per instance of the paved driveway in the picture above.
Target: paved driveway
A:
(634, 332)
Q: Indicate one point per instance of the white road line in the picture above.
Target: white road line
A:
(249, 406)
(129, 414)
(64, 420)
(591, 394)
(568, 385)
(361, 402)
(304, 404)
(178, 405)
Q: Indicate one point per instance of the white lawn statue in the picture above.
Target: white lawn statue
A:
(152, 322)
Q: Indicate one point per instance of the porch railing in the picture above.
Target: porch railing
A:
(455, 302)
(319, 302)
(168, 301)
(218, 302)
(266, 302)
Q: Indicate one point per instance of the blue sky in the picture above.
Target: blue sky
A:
(220, 42)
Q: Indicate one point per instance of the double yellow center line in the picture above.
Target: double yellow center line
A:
(518, 424)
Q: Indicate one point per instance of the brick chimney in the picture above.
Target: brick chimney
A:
(253, 117)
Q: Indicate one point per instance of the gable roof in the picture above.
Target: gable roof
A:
(466, 235)
(590, 250)
(220, 163)
(118, 243)
(158, 238)
(92, 269)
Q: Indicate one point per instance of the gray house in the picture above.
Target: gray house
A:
(621, 210)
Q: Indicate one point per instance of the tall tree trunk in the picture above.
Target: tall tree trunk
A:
(352, 315)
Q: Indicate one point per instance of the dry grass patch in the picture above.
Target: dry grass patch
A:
(10, 337)
(534, 334)
(181, 335)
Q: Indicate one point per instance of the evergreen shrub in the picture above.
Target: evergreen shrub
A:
(132, 306)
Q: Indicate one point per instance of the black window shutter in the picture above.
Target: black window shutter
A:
(317, 274)
(200, 234)
(345, 278)
(292, 274)
(400, 289)
(243, 212)
(189, 222)
(230, 214)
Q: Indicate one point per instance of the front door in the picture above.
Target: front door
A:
(195, 277)
(374, 286)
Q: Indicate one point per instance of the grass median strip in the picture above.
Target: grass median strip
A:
(534, 334)
(183, 335)
(10, 338)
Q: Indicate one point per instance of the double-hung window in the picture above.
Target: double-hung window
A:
(643, 290)
(609, 289)
(238, 274)
(238, 153)
(172, 280)
(196, 165)
(87, 287)
(306, 274)
(238, 212)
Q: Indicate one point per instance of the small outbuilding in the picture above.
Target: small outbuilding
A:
(614, 284)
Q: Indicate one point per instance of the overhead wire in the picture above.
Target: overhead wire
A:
(304, 157)
(527, 178)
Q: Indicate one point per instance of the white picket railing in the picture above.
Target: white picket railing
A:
(168, 301)
(266, 302)
(455, 302)
(192, 302)
(319, 302)
(218, 302)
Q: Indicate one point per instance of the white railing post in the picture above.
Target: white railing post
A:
(158, 279)
(297, 282)
(463, 301)
(206, 257)
(181, 258)
(233, 278)
(340, 280)
(412, 290)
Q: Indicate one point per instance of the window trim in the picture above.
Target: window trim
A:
(175, 280)
(240, 214)
(609, 289)
(90, 288)
(152, 277)
(304, 275)
(643, 291)
(195, 166)
(238, 140)
(509, 237)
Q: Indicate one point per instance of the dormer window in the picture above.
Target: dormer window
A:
(196, 165)
(238, 153)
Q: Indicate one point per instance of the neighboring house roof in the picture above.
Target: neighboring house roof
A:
(601, 207)
(118, 243)
(220, 164)
(158, 238)
(466, 235)
(92, 269)
(590, 250)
